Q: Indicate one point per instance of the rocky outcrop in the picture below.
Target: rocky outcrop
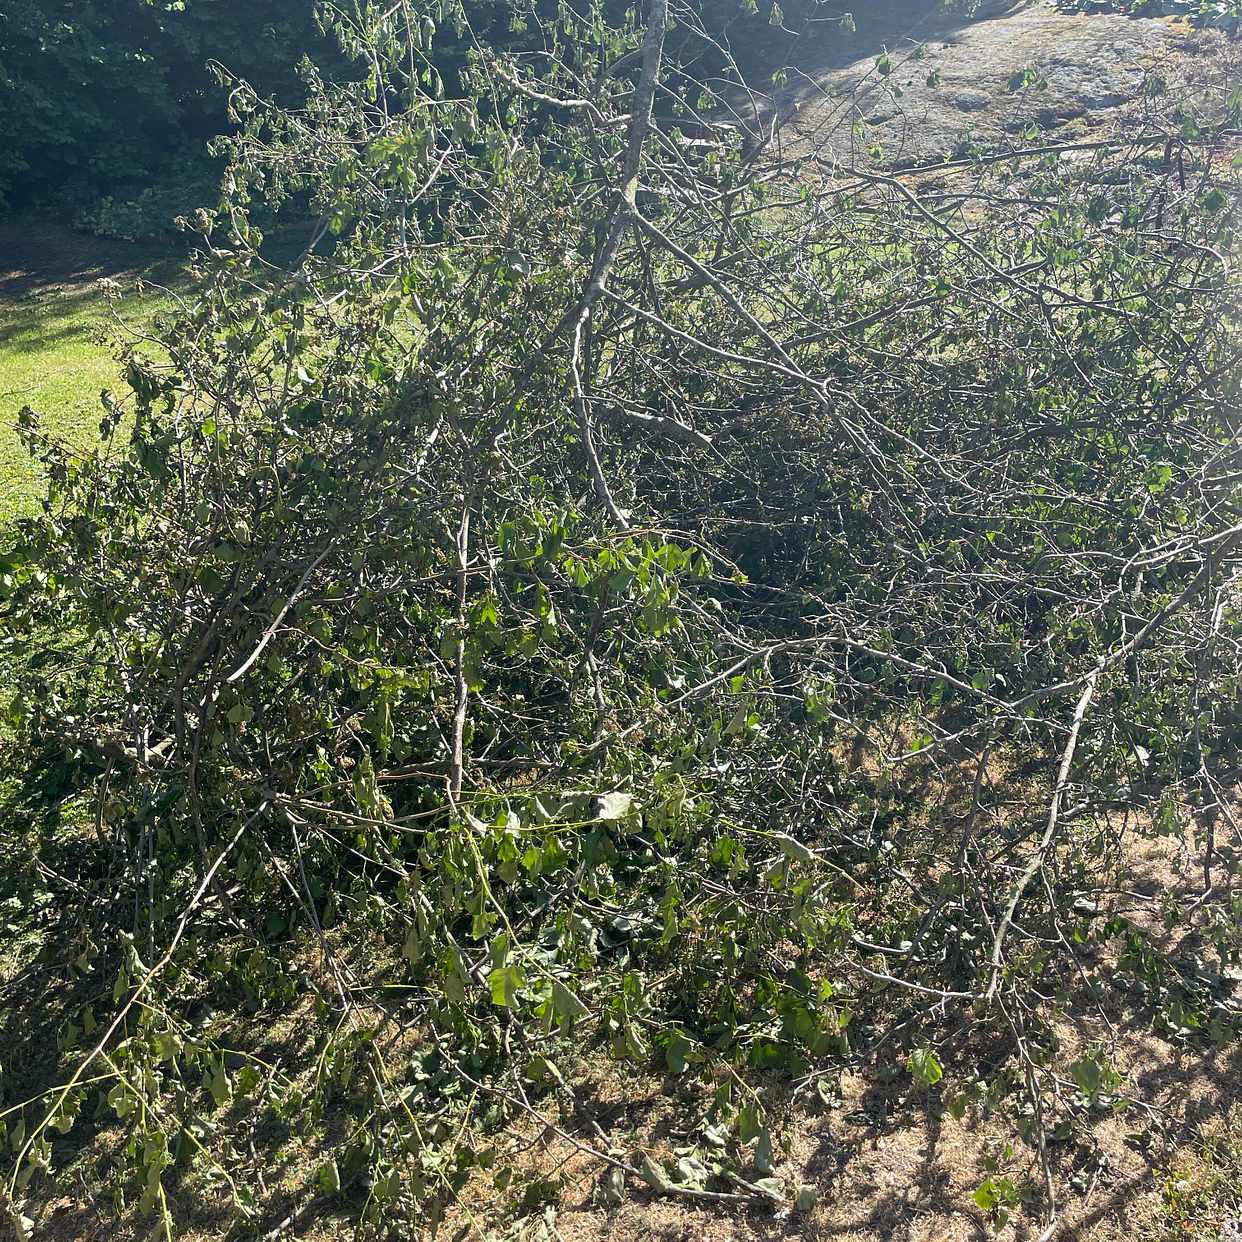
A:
(925, 86)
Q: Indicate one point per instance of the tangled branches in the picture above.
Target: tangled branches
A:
(636, 583)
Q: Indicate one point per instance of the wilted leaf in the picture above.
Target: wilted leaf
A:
(611, 1190)
(614, 805)
(691, 1171)
(765, 1156)
(794, 849)
(565, 1004)
(654, 1174)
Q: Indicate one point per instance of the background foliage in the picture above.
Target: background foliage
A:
(105, 98)
(110, 106)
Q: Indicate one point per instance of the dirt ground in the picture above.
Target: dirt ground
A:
(885, 1158)
(42, 259)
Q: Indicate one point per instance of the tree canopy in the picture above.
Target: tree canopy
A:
(107, 97)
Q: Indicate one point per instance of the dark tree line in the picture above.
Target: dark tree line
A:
(112, 97)
(100, 98)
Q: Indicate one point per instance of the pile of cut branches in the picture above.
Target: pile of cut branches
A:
(587, 601)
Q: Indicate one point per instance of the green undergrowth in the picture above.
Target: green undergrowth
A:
(69, 306)
(1221, 14)
(1202, 1192)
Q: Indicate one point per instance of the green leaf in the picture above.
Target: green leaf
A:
(924, 1066)
(504, 981)
(985, 1195)
(453, 974)
(994, 1194)
(218, 1085)
(1093, 1074)
(329, 1178)
(675, 1053)
(1158, 477)
(245, 1080)
(828, 1092)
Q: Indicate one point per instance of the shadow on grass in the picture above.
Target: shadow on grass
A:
(82, 315)
(37, 258)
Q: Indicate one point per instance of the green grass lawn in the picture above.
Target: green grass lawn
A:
(60, 338)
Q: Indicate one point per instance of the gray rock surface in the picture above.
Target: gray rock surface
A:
(954, 84)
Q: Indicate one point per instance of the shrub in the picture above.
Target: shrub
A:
(153, 212)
